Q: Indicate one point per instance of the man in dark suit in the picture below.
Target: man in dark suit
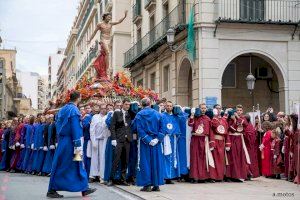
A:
(121, 138)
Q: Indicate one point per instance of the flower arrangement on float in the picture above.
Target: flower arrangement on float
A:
(95, 91)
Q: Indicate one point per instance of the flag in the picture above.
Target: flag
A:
(191, 36)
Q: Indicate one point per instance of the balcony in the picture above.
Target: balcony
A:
(150, 5)
(137, 13)
(86, 15)
(70, 57)
(156, 37)
(259, 11)
(87, 61)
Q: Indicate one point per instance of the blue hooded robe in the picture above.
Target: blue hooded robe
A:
(170, 127)
(182, 118)
(27, 143)
(23, 150)
(66, 174)
(50, 153)
(86, 136)
(150, 166)
(39, 144)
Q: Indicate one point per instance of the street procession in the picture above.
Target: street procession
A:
(151, 99)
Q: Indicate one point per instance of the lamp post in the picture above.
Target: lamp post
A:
(251, 82)
(171, 39)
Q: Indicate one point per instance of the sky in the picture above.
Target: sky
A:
(36, 28)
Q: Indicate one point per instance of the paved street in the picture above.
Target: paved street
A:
(20, 186)
(27, 187)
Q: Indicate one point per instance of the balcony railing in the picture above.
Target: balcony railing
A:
(86, 15)
(177, 19)
(259, 11)
(87, 61)
(137, 10)
(148, 2)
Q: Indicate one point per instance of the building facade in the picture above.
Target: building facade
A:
(232, 39)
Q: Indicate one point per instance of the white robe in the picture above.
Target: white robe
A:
(99, 134)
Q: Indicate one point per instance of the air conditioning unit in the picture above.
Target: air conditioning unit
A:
(264, 73)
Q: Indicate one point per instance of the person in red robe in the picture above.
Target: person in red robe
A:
(202, 143)
(238, 156)
(252, 146)
(16, 157)
(295, 149)
(276, 158)
(265, 149)
(222, 142)
(286, 149)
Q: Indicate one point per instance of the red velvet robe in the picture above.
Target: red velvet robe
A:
(222, 140)
(16, 156)
(277, 162)
(252, 146)
(296, 155)
(287, 143)
(266, 154)
(237, 167)
(198, 168)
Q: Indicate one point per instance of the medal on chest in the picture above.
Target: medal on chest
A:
(200, 129)
(221, 129)
(169, 126)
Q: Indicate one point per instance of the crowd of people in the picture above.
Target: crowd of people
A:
(148, 145)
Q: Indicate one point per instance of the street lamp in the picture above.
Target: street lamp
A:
(171, 39)
(250, 78)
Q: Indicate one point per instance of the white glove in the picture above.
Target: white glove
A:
(227, 148)
(211, 149)
(291, 154)
(45, 148)
(22, 146)
(193, 110)
(41, 147)
(283, 149)
(13, 147)
(153, 142)
(52, 147)
(56, 144)
(17, 144)
(275, 156)
(114, 143)
(32, 146)
(78, 150)
(261, 147)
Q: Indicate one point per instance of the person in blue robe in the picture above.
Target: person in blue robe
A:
(36, 146)
(171, 130)
(182, 118)
(49, 142)
(33, 151)
(86, 121)
(27, 143)
(150, 164)
(131, 172)
(41, 149)
(5, 162)
(68, 174)
(22, 144)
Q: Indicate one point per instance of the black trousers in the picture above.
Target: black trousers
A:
(121, 156)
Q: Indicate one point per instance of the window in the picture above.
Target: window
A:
(229, 76)
(252, 10)
(152, 31)
(166, 75)
(138, 38)
(152, 81)
(140, 83)
(166, 20)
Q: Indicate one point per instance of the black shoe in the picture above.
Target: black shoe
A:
(146, 189)
(193, 181)
(236, 180)
(168, 181)
(54, 195)
(124, 183)
(228, 180)
(155, 189)
(110, 183)
(278, 176)
(210, 181)
(88, 191)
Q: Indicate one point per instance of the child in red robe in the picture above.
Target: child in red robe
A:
(277, 161)
(265, 149)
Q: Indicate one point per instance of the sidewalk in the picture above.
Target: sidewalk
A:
(259, 188)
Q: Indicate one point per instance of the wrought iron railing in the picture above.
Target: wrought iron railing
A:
(176, 18)
(87, 61)
(86, 15)
(259, 11)
(147, 2)
(137, 10)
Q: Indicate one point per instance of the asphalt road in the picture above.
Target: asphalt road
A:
(14, 186)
